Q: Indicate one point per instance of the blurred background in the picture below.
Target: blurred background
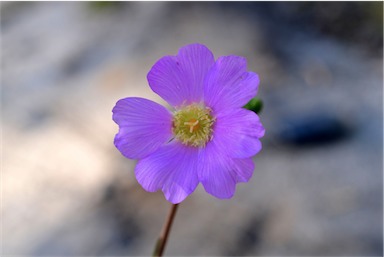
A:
(318, 185)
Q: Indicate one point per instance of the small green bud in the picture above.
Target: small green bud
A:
(255, 105)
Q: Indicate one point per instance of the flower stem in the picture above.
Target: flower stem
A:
(162, 240)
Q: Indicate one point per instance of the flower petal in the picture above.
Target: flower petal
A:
(179, 79)
(229, 85)
(219, 173)
(143, 126)
(237, 132)
(172, 168)
(244, 169)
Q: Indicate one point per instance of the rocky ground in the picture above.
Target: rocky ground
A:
(317, 187)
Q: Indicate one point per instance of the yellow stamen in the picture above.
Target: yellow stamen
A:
(192, 125)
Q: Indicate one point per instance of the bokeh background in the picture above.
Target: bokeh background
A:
(318, 184)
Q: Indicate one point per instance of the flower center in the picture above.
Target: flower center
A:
(192, 125)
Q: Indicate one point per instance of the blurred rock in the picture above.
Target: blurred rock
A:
(312, 129)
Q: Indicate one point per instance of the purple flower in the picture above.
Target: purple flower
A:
(208, 137)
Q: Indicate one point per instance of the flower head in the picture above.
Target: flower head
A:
(206, 138)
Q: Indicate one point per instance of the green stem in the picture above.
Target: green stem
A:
(162, 240)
